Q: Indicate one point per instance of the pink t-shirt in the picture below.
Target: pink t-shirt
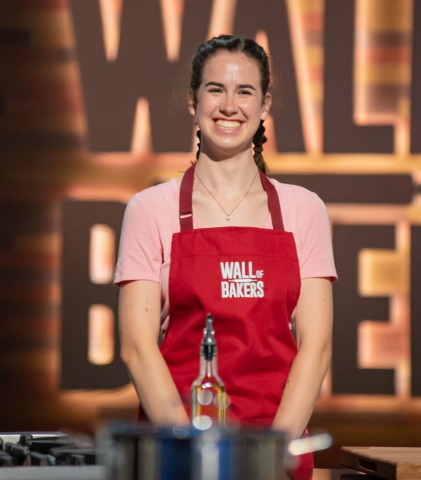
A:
(151, 219)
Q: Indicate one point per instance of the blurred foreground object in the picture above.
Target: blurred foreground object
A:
(143, 452)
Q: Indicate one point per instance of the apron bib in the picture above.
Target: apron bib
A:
(249, 280)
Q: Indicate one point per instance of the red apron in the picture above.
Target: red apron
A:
(249, 279)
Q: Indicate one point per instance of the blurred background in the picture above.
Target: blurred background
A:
(92, 111)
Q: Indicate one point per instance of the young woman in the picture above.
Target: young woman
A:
(223, 238)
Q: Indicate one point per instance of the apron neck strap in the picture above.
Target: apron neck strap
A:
(273, 201)
(186, 206)
(186, 194)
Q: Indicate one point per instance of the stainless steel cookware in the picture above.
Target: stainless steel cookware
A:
(136, 452)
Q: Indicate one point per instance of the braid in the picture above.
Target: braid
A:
(199, 136)
(258, 140)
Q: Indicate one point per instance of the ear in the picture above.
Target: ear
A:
(191, 102)
(267, 102)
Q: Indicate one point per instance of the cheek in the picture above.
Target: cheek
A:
(252, 109)
(254, 113)
(208, 106)
(204, 112)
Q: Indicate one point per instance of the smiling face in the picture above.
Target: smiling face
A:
(229, 103)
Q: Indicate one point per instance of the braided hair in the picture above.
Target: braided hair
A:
(234, 44)
(259, 139)
(199, 136)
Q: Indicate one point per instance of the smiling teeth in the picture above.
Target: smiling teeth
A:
(227, 124)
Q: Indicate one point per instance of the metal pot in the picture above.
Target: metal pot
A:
(136, 452)
(240, 454)
(129, 451)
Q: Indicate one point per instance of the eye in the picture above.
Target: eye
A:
(215, 90)
(244, 92)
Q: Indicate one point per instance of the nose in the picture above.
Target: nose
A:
(228, 105)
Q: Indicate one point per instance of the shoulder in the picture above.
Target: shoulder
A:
(156, 194)
(306, 216)
(150, 215)
(158, 198)
(154, 208)
(298, 198)
(303, 211)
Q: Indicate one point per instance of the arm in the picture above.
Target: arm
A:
(139, 317)
(314, 333)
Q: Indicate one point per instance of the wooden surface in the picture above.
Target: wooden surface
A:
(394, 463)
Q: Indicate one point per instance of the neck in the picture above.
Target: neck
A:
(230, 176)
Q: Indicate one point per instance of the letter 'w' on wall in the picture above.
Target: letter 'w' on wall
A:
(81, 365)
(140, 69)
(111, 89)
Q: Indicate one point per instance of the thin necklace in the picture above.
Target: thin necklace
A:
(228, 215)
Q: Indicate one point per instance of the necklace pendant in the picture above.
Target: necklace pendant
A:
(228, 218)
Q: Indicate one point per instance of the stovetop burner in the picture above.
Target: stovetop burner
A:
(56, 450)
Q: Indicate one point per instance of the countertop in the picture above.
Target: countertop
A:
(99, 473)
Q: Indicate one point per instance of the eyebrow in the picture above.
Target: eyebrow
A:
(243, 85)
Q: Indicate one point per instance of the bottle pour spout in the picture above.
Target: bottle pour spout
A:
(208, 349)
(208, 332)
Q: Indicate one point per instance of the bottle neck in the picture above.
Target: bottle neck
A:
(208, 368)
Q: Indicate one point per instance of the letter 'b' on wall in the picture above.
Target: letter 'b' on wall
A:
(79, 293)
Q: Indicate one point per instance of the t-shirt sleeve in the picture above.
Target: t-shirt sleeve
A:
(315, 242)
(140, 249)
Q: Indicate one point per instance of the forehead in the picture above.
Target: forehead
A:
(227, 67)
